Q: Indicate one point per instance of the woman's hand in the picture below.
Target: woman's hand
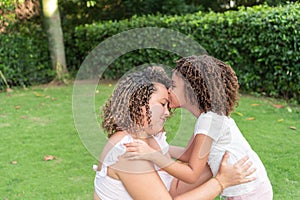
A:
(138, 149)
(236, 174)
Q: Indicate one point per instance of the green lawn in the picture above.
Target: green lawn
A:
(39, 122)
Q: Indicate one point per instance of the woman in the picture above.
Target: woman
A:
(137, 109)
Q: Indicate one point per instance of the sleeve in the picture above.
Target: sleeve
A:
(209, 124)
(113, 155)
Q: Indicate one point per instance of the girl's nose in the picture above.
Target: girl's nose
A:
(167, 111)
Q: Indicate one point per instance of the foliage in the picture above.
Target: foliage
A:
(256, 41)
(260, 43)
(25, 61)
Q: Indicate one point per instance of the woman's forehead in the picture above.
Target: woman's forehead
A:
(161, 90)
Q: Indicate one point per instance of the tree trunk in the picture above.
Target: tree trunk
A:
(52, 24)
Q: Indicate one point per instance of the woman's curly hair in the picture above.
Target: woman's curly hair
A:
(123, 109)
(212, 84)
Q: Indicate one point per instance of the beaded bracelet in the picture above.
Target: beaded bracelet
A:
(219, 182)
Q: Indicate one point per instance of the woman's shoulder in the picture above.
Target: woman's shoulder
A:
(118, 137)
(114, 146)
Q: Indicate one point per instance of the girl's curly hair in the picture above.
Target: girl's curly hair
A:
(212, 84)
(123, 109)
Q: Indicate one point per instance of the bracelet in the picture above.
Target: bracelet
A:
(219, 182)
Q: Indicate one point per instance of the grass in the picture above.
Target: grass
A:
(38, 121)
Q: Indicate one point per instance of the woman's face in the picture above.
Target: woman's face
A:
(159, 109)
(176, 92)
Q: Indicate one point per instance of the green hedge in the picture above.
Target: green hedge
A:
(261, 43)
(24, 60)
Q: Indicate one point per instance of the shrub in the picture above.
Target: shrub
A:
(260, 43)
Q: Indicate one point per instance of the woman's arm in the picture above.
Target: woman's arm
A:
(141, 180)
(138, 184)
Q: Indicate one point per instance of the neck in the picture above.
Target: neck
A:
(193, 109)
(140, 135)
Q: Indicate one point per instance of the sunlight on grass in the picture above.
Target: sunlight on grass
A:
(39, 122)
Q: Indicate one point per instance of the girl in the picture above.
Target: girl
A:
(208, 88)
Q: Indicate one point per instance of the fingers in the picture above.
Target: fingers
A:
(130, 155)
(131, 144)
(242, 161)
(250, 172)
(131, 149)
(225, 158)
(246, 166)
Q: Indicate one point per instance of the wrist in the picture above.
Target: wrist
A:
(220, 183)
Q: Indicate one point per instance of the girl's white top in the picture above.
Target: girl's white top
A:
(108, 188)
(226, 136)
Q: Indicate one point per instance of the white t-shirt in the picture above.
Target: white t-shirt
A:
(108, 188)
(226, 136)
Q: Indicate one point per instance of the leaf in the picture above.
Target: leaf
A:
(17, 107)
(255, 104)
(49, 157)
(14, 162)
(293, 127)
(289, 109)
(250, 118)
(280, 120)
(37, 94)
(238, 113)
(278, 106)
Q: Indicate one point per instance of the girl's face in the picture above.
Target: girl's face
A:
(159, 109)
(176, 92)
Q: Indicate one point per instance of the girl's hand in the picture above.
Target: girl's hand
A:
(138, 149)
(236, 174)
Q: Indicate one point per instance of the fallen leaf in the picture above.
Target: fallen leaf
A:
(49, 157)
(255, 104)
(24, 117)
(54, 99)
(14, 162)
(238, 113)
(47, 97)
(250, 118)
(17, 107)
(278, 106)
(280, 120)
(109, 85)
(293, 127)
(39, 94)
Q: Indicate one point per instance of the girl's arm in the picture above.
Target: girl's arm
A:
(189, 172)
(181, 153)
